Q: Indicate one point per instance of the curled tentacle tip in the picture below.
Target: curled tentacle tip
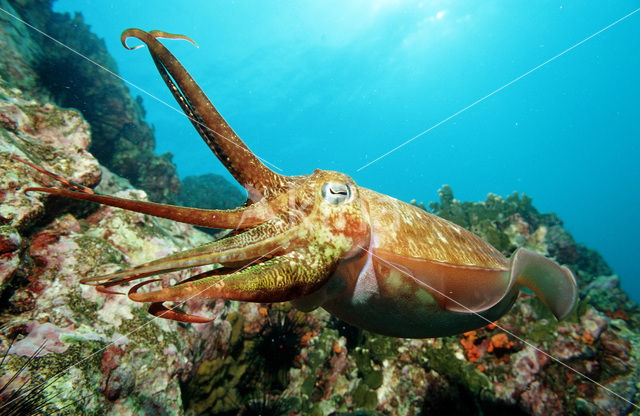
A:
(131, 48)
(157, 309)
(31, 190)
(140, 297)
(135, 33)
(103, 289)
(167, 35)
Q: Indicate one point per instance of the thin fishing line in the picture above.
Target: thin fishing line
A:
(504, 330)
(179, 111)
(138, 328)
(496, 91)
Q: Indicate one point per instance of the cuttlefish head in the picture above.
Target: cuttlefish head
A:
(285, 242)
(283, 247)
(309, 230)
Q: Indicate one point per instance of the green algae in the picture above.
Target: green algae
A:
(65, 376)
(237, 329)
(317, 356)
(493, 235)
(216, 386)
(98, 250)
(370, 376)
(216, 383)
(542, 332)
(364, 397)
(541, 310)
(489, 219)
(84, 309)
(463, 372)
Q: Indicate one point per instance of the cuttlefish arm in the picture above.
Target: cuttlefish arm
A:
(276, 280)
(239, 218)
(286, 246)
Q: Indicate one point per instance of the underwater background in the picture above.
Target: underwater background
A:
(336, 84)
(490, 99)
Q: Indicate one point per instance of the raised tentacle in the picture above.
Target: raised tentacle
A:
(167, 35)
(279, 279)
(245, 167)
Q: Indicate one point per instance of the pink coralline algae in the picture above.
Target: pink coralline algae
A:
(86, 336)
(41, 340)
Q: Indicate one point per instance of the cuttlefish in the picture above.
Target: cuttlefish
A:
(320, 240)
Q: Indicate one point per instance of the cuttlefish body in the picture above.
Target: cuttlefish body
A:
(322, 241)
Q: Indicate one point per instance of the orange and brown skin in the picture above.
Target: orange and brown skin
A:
(321, 241)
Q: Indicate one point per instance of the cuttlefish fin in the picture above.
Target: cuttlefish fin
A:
(555, 285)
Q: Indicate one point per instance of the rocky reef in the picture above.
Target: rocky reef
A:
(70, 349)
(43, 69)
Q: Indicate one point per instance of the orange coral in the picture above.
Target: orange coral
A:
(468, 343)
(492, 325)
(307, 337)
(587, 337)
(500, 340)
(336, 348)
(471, 335)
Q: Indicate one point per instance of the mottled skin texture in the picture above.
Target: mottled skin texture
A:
(321, 241)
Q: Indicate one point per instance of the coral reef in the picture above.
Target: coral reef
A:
(85, 352)
(121, 139)
(100, 354)
(210, 191)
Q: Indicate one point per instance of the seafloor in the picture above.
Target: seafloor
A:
(71, 350)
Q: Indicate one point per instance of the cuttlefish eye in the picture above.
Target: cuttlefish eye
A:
(336, 193)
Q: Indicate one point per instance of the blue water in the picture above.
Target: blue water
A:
(336, 84)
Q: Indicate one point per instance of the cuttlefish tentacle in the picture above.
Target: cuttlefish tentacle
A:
(66, 182)
(245, 167)
(244, 217)
(278, 279)
(270, 237)
(167, 35)
(159, 310)
(238, 218)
